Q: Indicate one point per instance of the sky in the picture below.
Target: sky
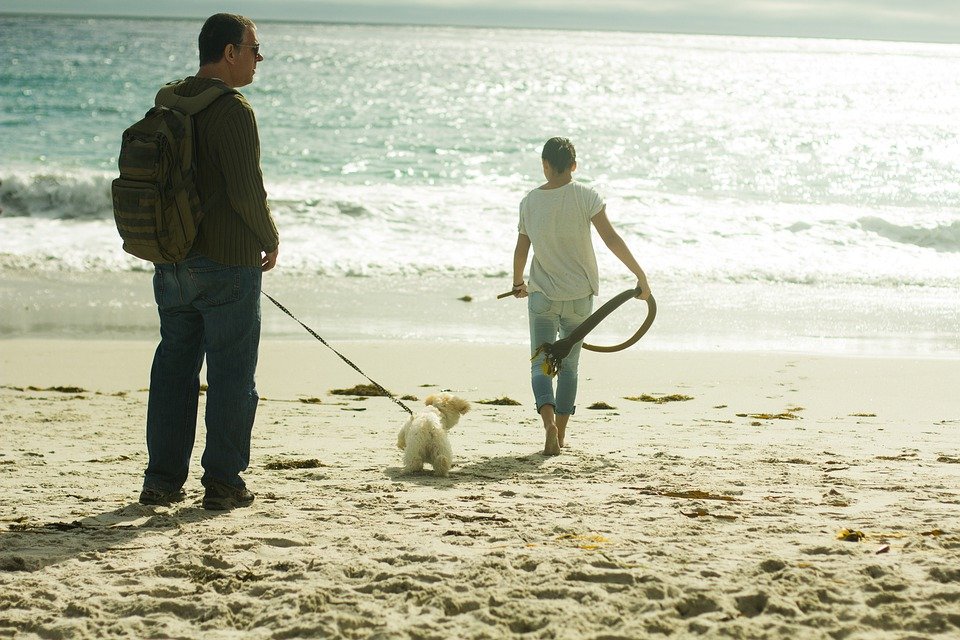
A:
(908, 20)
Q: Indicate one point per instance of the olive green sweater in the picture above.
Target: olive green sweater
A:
(237, 225)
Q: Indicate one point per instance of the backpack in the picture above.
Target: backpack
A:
(155, 201)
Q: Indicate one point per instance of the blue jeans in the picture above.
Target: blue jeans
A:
(213, 310)
(547, 320)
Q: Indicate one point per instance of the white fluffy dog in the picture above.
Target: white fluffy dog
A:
(424, 436)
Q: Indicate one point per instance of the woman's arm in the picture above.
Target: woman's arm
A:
(520, 254)
(620, 249)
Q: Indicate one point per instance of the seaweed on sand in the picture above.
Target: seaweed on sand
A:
(502, 401)
(360, 390)
(675, 397)
(312, 463)
(600, 405)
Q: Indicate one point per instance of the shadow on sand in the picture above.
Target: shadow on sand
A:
(486, 470)
(32, 546)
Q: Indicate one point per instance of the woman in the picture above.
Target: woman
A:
(555, 220)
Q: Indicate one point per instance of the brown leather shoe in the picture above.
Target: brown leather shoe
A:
(160, 497)
(223, 497)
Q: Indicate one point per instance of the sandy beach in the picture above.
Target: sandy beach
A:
(714, 516)
(778, 458)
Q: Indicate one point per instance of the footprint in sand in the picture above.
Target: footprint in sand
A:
(605, 577)
(752, 605)
(696, 605)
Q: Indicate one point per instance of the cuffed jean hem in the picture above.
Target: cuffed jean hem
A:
(542, 403)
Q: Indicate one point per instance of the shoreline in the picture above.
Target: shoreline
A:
(692, 317)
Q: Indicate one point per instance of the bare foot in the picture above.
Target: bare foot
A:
(561, 421)
(552, 445)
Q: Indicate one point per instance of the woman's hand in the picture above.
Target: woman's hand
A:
(644, 289)
(520, 290)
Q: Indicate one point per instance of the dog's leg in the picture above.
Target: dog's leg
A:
(441, 466)
(412, 463)
(442, 457)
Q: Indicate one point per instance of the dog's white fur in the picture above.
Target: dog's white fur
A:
(424, 436)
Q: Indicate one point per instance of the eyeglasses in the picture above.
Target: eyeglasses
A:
(255, 47)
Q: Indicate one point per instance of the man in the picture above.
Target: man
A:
(209, 303)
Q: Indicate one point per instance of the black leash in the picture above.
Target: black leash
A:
(554, 353)
(342, 357)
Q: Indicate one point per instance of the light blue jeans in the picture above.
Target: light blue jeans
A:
(207, 310)
(548, 319)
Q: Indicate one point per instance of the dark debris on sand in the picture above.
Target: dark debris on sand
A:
(360, 390)
(600, 406)
(312, 463)
(675, 397)
(503, 402)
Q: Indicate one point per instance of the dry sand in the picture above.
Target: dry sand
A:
(716, 516)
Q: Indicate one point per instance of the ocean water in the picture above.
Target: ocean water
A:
(775, 190)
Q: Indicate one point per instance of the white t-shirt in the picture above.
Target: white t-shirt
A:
(557, 221)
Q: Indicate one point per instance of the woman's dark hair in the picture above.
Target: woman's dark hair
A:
(218, 31)
(559, 152)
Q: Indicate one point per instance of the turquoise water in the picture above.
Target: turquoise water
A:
(398, 152)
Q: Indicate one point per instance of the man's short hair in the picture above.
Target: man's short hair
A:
(218, 31)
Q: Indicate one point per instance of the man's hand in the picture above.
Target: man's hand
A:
(269, 260)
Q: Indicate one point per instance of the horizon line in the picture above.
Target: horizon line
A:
(333, 22)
